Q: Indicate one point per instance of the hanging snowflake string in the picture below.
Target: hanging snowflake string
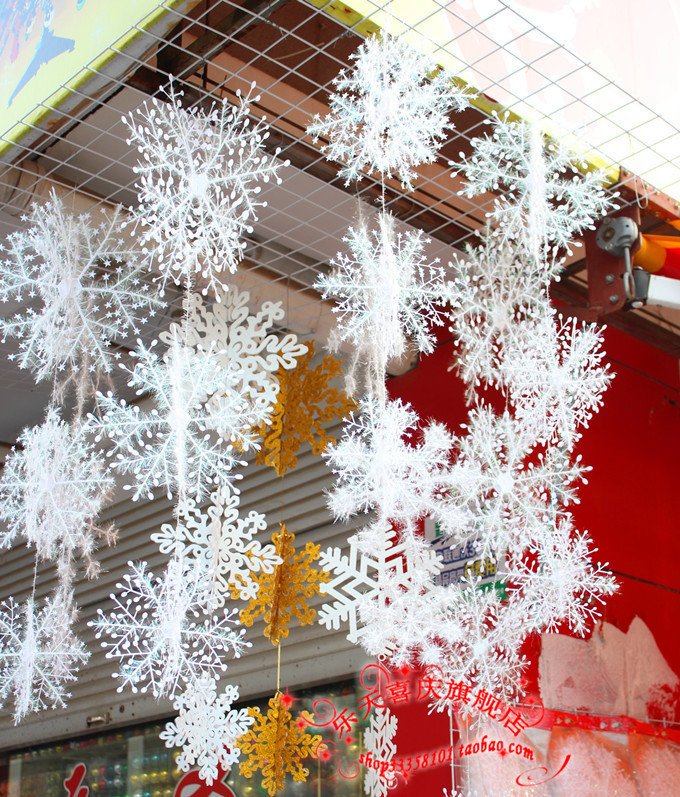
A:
(387, 293)
(245, 343)
(194, 437)
(545, 201)
(85, 280)
(379, 743)
(39, 654)
(207, 729)
(160, 633)
(221, 544)
(53, 486)
(304, 406)
(389, 112)
(276, 746)
(200, 175)
(285, 592)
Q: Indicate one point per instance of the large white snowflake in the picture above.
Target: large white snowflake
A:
(200, 174)
(389, 112)
(53, 486)
(379, 742)
(194, 437)
(555, 378)
(246, 343)
(543, 204)
(207, 728)
(221, 542)
(85, 281)
(377, 467)
(160, 632)
(39, 654)
(386, 292)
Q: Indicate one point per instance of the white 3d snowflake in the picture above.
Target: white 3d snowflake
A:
(379, 742)
(200, 174)
(53, 486)
(86, 280)
(160, 632)
(389, 112)
(207, 728)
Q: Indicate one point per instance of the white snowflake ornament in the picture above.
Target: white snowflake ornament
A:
(160, 633)
(389, 112)
(379, 743)
(200, 175)
(207, 728)
(53, 486)
(86, 283)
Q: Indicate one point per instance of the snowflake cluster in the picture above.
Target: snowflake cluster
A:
(200, 175)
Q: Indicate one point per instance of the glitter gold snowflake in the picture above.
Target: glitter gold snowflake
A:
(305, 402)
(276, 745)
(284, 593)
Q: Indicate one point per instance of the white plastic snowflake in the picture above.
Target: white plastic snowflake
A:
(194, 436)
(494, 291)
(377, 467)
(160, 633)
(200, 174)
(389, 112)
(555, 378)
(86, 283)
(379, 742)
(245, 343)
(387, 293)
(207, 728)
(222, 544)
(39, 654)
(53, 486)
(542, 207)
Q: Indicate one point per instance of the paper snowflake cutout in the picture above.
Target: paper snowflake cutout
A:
(378, 468)
(160, 633)
(555, 378)
(560, 583)
(494, 292)
(39, 654)
(542, 207)
(283, 594)
(200, 175)
(389, 112)
(221, 543)
(276, 745)
(305, 403)
(508, 491)
(87, 289)
(207, 728)
(245, 343)
(379, 742)
(194, 437)
(53, 486)
(387, 293)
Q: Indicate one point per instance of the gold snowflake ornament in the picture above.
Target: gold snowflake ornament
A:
(284, 592)
(304, 404)
(276, 745)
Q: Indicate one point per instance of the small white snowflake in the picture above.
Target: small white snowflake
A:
(87, 282)
(378, 468)
(380, 746)
(207, 728)
(53, 486)
(199, 178)
(542, 208)
(157, 634)
(195, 436)
(39, 654)
(222, 544)
(389, 112)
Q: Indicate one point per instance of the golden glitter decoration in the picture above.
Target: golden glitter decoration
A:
(284, 592)
(276, 745)
(304, 404)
